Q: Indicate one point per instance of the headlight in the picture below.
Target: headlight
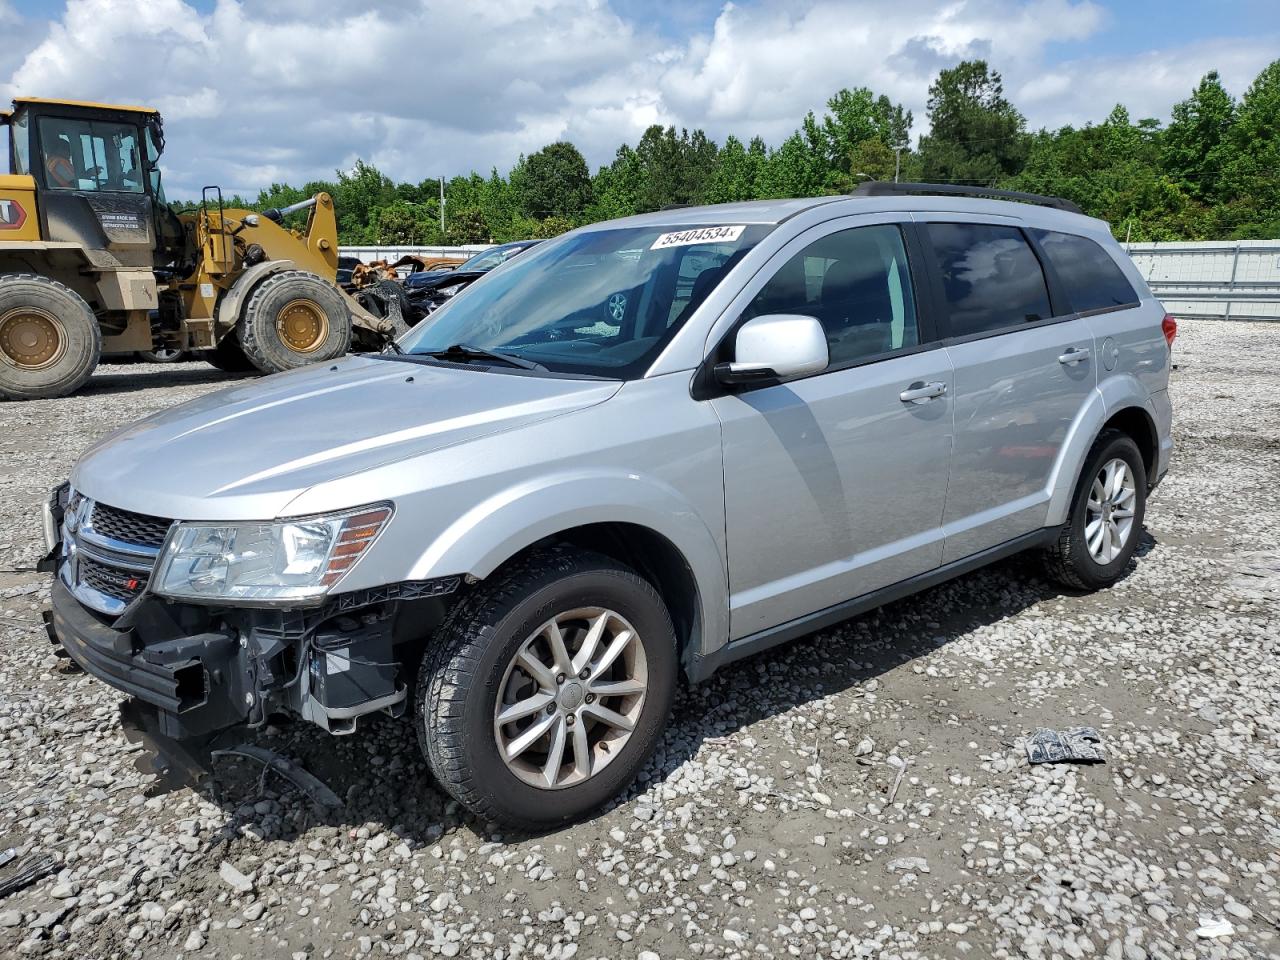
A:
(450, 291)
(296, 560)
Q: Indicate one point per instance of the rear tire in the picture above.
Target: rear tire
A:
(1104, 526)
(294, 318)
(50, 341)
(228, 357)
(476, 667)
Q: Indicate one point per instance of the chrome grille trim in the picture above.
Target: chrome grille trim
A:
(98, 564)
(125, 526)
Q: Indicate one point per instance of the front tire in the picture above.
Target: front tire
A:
(1107, 510)
(50, 341)
(545, 691)
(294, 318)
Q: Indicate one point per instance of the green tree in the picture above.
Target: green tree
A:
(737, 172)
(798, 168)
(1192, 149)
(1249, 192)
(616, 188)
(1112, 170)
(975, 134)
(857, 117)
(552, 227)
(399, 223)
(357, 196)
(554, 181)
(469, 225)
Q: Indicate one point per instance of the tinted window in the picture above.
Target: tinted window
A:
(1093, 280)
(856, 282)
(990, 275)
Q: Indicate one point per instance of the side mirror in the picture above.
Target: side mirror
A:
(775, 346)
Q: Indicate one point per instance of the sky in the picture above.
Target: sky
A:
(262, 91)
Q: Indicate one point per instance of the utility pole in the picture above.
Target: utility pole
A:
(897, 162)
(442, 207)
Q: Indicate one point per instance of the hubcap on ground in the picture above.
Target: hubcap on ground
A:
(31, 338)
(302, 325)
(1109, 522)
(570, 698)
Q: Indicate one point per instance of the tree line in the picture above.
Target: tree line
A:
(1211, 172)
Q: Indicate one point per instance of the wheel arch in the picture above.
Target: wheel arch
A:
(1120, 403)
(653, 557)
(233, 302)
(643, 525)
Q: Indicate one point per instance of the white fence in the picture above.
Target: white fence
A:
(370, 254)
(1219, 280)
(1223, 280)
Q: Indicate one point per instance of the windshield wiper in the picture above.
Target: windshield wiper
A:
(393, 347)
(467, 351)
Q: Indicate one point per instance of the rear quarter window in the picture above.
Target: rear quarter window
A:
(990, 277)
(1093, 280)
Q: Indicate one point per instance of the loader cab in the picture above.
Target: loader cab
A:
(97, 177)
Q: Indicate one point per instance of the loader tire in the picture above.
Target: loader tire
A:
(294, 318)
(50, 341)
(228, 357)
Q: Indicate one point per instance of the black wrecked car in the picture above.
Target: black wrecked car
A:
(429, 289)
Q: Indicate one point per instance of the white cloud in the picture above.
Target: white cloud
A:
(263, 90)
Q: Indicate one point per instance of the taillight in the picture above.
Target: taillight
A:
(1170, 328)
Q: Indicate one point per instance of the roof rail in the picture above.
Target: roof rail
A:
(884, 188)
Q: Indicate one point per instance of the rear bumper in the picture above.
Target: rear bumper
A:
(1163, 414)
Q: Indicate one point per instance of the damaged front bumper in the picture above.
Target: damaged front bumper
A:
(194, 671)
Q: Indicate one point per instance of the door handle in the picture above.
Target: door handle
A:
(921, 392)
(1074, 355)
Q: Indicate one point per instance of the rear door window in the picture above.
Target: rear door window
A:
(1092, 279)
(990, 277)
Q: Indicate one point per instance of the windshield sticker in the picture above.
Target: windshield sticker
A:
(684, 238)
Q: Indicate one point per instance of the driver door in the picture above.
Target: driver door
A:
(835, 483)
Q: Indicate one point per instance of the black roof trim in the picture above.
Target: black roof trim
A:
(884, 188)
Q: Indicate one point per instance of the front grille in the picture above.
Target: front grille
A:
(129, 527)
(123, 585)
(110, 554)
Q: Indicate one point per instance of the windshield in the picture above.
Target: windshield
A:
(602, 303)
(490, 258)
(90, 155)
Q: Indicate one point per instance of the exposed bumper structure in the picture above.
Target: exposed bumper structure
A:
(195, 670)
(192, 680)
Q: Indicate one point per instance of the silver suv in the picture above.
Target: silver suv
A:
(637, 453)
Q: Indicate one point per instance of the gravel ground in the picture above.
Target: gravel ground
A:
(769, 824)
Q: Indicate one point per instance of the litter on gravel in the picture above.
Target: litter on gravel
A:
(1077, 745)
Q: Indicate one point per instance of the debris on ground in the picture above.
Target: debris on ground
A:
(31, 870)
(1077, 745)
(308, 784)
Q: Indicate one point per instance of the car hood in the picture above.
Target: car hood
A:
(248, 451)
(447, 279)
(424, 277)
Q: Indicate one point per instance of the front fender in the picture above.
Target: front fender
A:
(480, 540)
(1114, 394)
(233, 301)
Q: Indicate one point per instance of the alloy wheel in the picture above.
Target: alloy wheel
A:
(1110, 511)
(571, 697)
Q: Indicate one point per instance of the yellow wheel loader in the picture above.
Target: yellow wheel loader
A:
(93, 260)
